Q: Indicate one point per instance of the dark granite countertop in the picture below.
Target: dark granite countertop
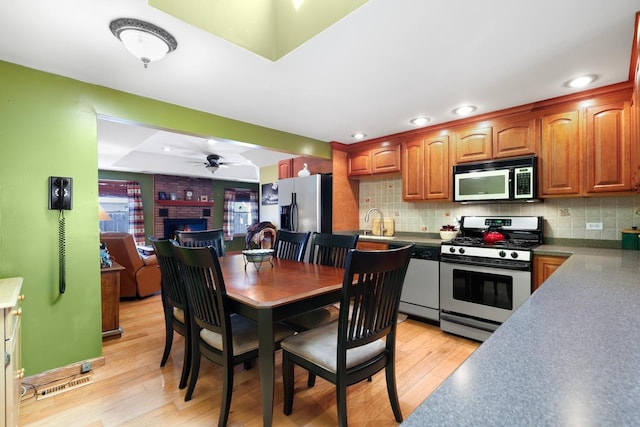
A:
(569, 356)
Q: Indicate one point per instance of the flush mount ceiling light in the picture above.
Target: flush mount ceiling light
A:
(581, 81)
(358, 135)
(419, 121)
(464, 110)
(145, 41)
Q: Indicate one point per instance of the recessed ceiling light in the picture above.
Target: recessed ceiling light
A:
(166, 148)
(419, 121)
(581, 81)
(358, 135)
(464, 110)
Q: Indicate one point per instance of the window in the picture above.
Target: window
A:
(240, 210)
(122, 200)
(118, 210)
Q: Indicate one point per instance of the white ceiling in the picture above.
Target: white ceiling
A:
(385, 63)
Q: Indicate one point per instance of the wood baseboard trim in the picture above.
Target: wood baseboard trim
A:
(63, 372)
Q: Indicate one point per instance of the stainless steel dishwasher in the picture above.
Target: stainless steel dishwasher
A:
(421, 291)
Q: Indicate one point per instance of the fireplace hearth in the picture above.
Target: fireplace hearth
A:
(171, 225)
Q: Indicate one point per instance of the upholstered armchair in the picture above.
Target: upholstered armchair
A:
(141, 276)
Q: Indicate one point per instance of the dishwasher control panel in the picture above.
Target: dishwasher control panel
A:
(431, 253)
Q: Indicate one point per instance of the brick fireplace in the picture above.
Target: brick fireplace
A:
(201, 212)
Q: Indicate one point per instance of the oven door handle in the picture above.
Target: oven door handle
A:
(485, 325)
(515, 265)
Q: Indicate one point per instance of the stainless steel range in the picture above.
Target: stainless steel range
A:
(485, 273)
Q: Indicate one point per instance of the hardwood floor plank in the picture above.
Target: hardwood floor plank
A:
(132, 390)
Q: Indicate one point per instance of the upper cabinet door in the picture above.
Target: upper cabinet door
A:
(285, 168)
(560, 159)
(412, 170)
(437, 168)
(386, 159)
(359, 163)
(608, 152)
(473, 143)
(515, 137)
(379, 160)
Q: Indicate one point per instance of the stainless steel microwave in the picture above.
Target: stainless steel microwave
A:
(499, 180)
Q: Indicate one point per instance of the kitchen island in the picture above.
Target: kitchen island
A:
(570, 355)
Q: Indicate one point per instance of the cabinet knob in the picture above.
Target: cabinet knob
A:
(21, 297)
(17, 312)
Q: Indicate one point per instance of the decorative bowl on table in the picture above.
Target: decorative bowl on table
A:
(257, 257)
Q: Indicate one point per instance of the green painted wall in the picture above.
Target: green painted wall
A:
(48, 128)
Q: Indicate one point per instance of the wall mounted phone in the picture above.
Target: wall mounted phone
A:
(60, 198)
(60, 192)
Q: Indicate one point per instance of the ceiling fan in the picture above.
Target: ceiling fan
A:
(214, 162)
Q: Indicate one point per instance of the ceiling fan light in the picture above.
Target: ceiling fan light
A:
(144, 40)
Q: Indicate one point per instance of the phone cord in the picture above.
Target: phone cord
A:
(62, 285)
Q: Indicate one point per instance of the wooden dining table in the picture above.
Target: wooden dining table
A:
(274, 292)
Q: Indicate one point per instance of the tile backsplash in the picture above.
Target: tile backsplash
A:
(564, 218)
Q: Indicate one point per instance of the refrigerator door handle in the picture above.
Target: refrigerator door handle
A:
(294, 218)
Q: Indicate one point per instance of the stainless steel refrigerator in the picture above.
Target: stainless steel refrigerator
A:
(305, 203)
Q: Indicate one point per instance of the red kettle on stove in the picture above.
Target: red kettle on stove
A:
(492, 235)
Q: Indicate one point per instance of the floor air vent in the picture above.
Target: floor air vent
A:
(61, 386)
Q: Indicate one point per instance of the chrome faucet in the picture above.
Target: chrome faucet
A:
(366, 219)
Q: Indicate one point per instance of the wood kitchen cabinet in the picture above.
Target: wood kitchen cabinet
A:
(413, 170)
(473, 143)
(289, 168)
(359, 163)
(587, 151)
(607, 148)
(515, 136)
(379, 160)
(560, 162)
(543, 267)
(426, 170)
(285, 168)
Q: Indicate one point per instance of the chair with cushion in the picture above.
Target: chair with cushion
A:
(361, 343)
(141, 275)
(213, 238)
(174, 303)
(331, 250)
(290, 245)
(223, 338)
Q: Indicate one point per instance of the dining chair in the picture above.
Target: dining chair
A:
(174, 304)
(201, 238)
(290, 245)
(361, 343)
(325, 249)
(222, 337)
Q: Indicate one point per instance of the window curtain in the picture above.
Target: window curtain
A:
(253, 197)
(227, 225)
(136, 215)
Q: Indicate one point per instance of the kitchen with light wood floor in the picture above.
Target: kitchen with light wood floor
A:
(131, 389)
